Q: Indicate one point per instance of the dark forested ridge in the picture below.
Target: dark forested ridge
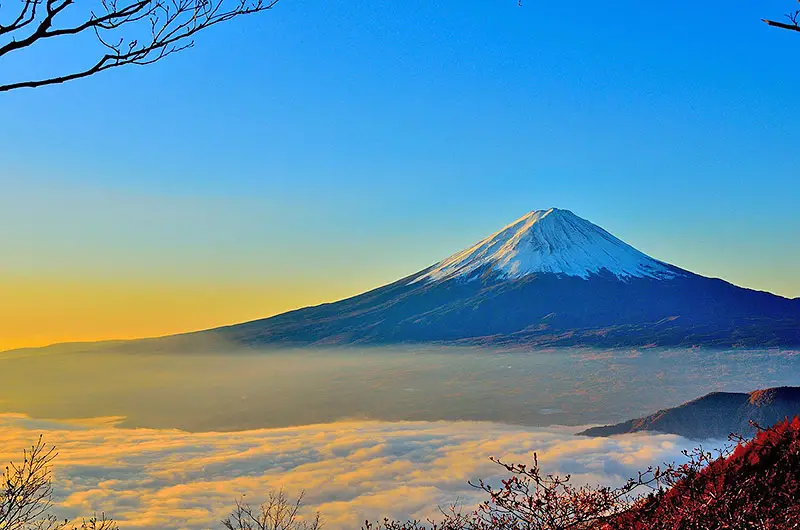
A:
(715, 415)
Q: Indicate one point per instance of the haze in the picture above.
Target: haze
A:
(231, 389)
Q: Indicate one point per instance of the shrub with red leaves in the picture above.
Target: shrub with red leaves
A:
(757, 486)
(754, 486)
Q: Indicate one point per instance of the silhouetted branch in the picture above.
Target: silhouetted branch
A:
(157, 29)
(532, 500)
(26, 495)
(26, 491)
(793, 24)
(277, 513)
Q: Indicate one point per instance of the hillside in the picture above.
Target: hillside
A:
(714, 415)
(756, 487)
(550, 278)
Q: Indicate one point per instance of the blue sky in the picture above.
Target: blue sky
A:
(333, 147)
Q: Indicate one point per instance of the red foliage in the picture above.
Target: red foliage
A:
(757, 486)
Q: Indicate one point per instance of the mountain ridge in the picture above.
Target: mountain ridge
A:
(548, 279)
(541, 283)
(715, 415)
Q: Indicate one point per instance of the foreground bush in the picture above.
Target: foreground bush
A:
(26, 495)
(755, 485)
(26, 502)
(277, 513)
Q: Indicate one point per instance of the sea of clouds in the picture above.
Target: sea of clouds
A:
(350, 471)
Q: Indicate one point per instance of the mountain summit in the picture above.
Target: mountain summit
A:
(551, 241)
(549, 278)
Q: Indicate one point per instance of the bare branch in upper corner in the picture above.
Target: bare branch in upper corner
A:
(790, 24)
(126, 32)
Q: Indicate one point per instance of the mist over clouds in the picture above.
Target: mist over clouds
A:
(225, 389)
(351, 471)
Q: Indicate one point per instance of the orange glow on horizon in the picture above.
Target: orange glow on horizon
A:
(37, 312)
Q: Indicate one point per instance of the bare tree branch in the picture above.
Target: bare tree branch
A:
(793, 27)
(26, 495)
(136, 32)
(277, 513)
(793, 24)
(26, 491)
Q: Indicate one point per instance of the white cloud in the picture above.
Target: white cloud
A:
(351, 471)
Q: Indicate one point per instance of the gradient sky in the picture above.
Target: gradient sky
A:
(324, 148)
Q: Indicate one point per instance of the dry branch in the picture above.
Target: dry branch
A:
(793, 23)
(126, 32)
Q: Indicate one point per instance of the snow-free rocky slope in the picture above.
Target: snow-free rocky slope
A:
(549, 278)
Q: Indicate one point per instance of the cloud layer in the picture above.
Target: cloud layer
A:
(350, 471)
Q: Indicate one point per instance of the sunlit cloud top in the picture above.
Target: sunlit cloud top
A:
(350, 471)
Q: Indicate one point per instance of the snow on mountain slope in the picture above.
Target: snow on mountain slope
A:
(551, 241)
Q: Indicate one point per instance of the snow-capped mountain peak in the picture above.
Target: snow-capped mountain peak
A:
(551, 241)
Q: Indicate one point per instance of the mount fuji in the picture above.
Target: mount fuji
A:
(549, 278)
